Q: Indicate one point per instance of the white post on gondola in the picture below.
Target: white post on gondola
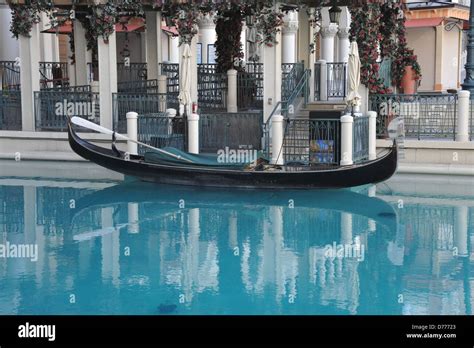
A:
(132, 132)
(372, 135)
(347, 123)
(277, 139)
(193, 133)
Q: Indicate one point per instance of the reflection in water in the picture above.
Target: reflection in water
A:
(138, 248)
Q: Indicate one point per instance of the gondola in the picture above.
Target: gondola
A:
(287, 177)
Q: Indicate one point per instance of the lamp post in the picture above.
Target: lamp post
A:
(469, 80)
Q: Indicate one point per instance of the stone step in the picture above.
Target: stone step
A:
(325, 106)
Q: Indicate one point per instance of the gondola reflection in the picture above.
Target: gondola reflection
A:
(133, 248)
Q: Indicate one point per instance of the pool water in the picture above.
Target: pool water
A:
(136, 248)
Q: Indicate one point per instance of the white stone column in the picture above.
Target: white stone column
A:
(323, 80)
(153, 44)
(328, 34)
(107, 54)
(462, 123)
(232, 90)
(344, 45)
(83, 56)
(347, 123)
(47, 41)
(29, 76)
(372, 135)
(289, 38)
(174, 50)
(271, 57)
(207, 35)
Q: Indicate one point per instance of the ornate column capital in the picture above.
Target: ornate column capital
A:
(343, 33)
(330, 31)
(290, 23)
(206, 22)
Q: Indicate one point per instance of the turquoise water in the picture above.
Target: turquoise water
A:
(147, 249)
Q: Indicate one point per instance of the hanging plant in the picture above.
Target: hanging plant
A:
(269, 21)
(102, 20)
(23, 19)
(229, 52)
(365, 29)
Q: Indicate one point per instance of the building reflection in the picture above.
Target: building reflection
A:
(241, 253)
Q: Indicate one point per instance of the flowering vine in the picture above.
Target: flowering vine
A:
(269, 21)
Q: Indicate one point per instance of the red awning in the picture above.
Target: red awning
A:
(423, 22)
(170, 30)
(134, 25)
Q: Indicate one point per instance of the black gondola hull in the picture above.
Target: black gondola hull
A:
(370, 172)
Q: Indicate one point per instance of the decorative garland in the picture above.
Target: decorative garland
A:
(228, 46)
(269, 21)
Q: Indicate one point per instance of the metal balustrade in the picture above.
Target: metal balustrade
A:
(131, 72)
(141, 86)
(212, 87)
(291, 75)
(10, 110)
(143, 104)
(425, 115)
(52, 108)
(171, 71)
(360, 139)
(312, 142)
(159, 130)
(10, 75)
(250, 87)
(337, 80)
(53, 74)
(235, 130)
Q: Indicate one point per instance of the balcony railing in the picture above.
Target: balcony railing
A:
(171, 71)
(143, 104)
(291, 75)
(335, 83)
(53, 74)
(159, 130)
(212, 88)
(10, 110)
(250, 87)
(360, 139)
(10, 75)
(235, 131)
(425, 115)
(53, 107)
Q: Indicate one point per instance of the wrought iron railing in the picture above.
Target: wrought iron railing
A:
(212, 88)
(140, 86)
(143, 104)
(10, 110)
(10, 75)
(159, 130)
(53, 74)
(291, 75)
(131, 72)
(235, 130)
(360, 139)
(171, 71)
(52, 108)
(425, 115)
(250, 87)
(287, 107)
(84, 88)
(312, 142)
(337, 80)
